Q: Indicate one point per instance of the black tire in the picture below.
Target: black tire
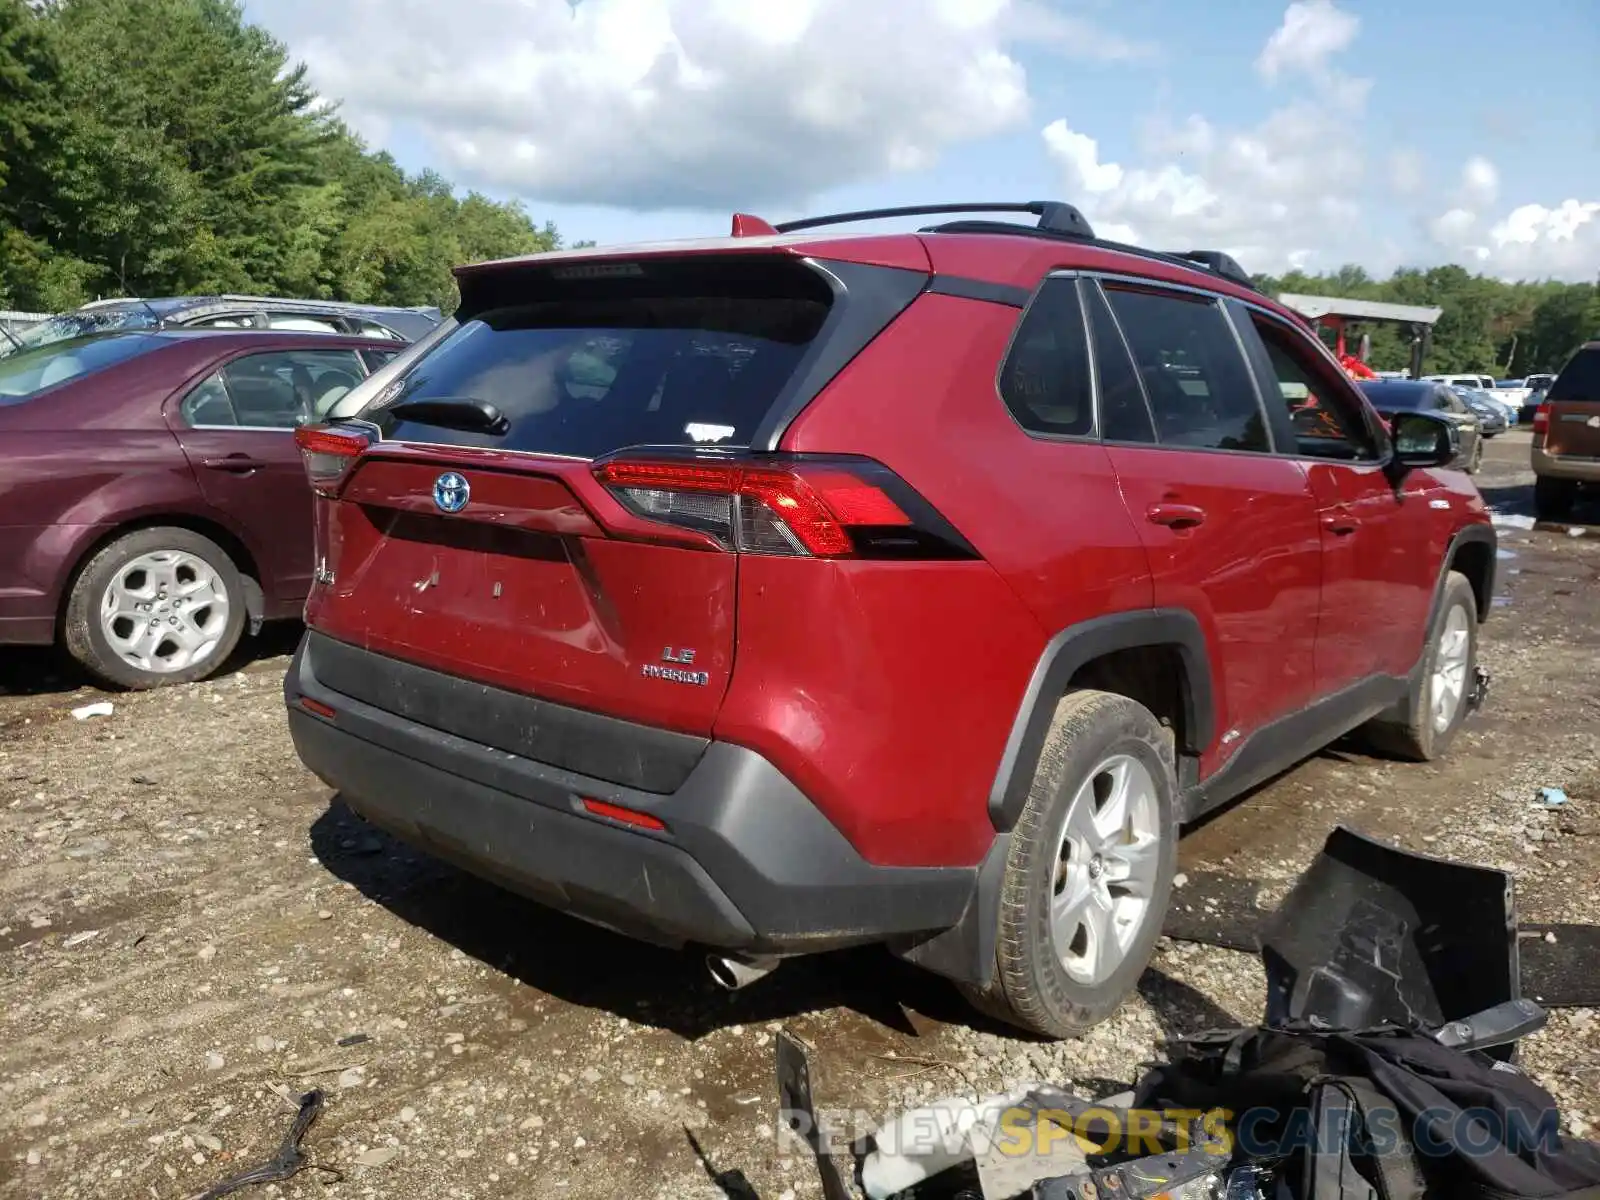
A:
(1032, 988)
(1415, 737)
(1553, 498)
(86, 641)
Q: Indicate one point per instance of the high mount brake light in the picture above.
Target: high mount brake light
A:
(818, 509)
(1541, 418)
(329, 453)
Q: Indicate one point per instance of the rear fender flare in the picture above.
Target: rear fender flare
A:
(1064, 656)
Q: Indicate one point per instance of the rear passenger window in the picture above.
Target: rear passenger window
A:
(1201, 393)
(1045, 380)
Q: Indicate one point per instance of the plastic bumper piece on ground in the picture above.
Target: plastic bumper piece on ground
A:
(746, 862)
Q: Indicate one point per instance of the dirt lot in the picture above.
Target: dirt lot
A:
(190, 929)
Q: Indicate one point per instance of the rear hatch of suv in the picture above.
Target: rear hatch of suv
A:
(549, 502)
(1570, 422)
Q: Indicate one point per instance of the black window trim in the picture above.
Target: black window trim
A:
(217, 369)
(1093, 434)
(1086, 283)
(1218, 301)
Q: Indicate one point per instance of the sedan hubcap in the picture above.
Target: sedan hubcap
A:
(164, 611)
(1450, 669)
(1105, 870)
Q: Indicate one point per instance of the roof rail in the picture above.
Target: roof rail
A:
(1057, 219)
(1219, 263)
(1054, 216)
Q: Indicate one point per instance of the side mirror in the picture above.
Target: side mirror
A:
(1423, 439)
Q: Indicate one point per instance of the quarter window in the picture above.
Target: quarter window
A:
(1045, 379)
(1200, 389)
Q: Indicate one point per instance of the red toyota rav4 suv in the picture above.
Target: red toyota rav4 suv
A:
(795, 590)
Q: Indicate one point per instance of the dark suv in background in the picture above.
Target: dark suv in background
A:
(798, 589)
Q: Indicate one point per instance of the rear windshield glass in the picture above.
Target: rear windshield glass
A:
(29, 372)
(584, 378)
(1579, 379)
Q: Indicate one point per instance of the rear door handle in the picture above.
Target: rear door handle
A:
(1175, 516)
(1340, 524)
(241, 463)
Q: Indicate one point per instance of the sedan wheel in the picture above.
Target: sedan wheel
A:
(155, 607)
(165, 611)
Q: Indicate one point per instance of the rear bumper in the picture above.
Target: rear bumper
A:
(1565, 466)
(747, 863)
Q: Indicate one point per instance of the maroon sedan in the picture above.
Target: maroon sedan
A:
(154, 501)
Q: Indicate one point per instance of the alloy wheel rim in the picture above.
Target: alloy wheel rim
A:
(164, 611)
(1450, 669)
(1105, 872)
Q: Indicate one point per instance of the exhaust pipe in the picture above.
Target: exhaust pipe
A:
(735, 973)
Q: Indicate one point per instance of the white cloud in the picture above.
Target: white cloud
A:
(1312, 32)
(1407, 174)
(679, 103)
(1280, 194)
(1480, 182)
(1532, 241)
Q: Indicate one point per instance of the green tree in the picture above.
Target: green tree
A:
(163, 147)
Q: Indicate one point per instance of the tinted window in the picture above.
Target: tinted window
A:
(1399, 396)
(1326, 424)
(1580, 378)
(277, 390)
(1201, 393)
(28, 372)
(585, 377)
(1124, 414)
(1045, 379)
(376, 358)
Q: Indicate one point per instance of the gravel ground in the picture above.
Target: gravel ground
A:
(194, 932)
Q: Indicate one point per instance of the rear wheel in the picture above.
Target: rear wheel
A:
(1553, 498)
(1477, 456)
(1089, 871)
(154, 607)
(1437, 704)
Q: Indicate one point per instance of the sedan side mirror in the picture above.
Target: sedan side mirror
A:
(1423, 439)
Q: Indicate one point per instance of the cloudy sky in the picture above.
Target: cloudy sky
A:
(1324, 132)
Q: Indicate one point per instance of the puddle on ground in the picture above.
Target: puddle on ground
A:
(1502, 553)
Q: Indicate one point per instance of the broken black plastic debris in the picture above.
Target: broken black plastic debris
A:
(355, 1039)
(288, 1162)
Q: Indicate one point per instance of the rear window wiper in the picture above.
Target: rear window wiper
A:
(452, 412)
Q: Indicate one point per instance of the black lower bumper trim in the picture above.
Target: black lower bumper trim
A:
(748, 863)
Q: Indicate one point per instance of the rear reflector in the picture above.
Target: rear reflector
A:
(329, 452)
(627, 816)
(317, 708)
(1541, 418)
(796, 507)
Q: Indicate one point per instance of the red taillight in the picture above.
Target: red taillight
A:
(1541, 418)
(628, 816)
(757, 509)
(329, 452)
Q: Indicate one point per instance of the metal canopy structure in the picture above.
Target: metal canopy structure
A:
(1335, 312)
